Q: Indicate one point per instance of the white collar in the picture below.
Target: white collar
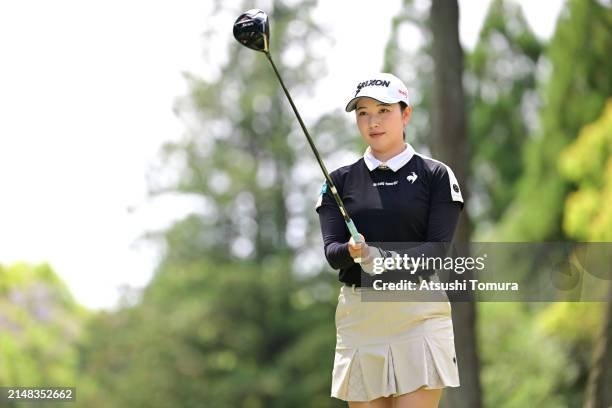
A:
(395, 163)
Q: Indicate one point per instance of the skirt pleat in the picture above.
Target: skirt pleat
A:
(391, 348)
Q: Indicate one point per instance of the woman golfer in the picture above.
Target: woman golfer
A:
(389, 354)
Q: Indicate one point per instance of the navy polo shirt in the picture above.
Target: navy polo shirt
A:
(411, 198)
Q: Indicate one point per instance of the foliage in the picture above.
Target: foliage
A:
(239, 314)
(522, 365)
(229, 334)
(500, 77)
(235, 315)
(588, 163)
(40, 328)
(574, 95)
(500, 80)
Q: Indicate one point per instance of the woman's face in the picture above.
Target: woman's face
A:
(381, 124)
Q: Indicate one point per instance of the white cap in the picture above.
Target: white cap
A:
(386, 88)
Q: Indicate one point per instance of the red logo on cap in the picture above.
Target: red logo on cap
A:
(403, 92)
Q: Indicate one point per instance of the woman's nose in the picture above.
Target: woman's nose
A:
(373, 122)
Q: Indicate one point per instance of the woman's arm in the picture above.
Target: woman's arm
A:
(334, 230)
(443, 218)
(445, 205)
(335, 236)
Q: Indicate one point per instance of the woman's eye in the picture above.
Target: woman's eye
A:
(362, 113)
(384, 110)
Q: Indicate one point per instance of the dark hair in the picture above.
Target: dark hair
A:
(403, 107)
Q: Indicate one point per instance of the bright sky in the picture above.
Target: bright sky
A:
(86, 95)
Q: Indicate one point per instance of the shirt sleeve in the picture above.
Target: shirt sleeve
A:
(334, 231)
(444, 186)
(446, 202)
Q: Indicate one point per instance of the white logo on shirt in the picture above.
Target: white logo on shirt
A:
(385, 183)
(412, 177)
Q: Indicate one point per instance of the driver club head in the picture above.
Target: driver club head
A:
(252, 29)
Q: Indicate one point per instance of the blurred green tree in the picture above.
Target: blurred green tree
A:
(221, 335)
(577, 87)
(238, 313)
(502, 102)
(449, 143)
(587, 163)
(41, 326)
(501, 99)
(523, 364)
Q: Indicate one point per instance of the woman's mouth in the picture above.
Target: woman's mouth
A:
(376, 134)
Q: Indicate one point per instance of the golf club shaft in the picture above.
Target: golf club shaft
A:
(347, 219)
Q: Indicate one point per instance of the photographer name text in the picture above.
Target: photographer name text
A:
(466, 284)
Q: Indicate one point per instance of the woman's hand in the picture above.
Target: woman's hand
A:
(360, 250)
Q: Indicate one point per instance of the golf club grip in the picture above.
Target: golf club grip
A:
(353, 230)
(347, 219)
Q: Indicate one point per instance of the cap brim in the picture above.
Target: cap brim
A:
(353, 102)
(351, 105)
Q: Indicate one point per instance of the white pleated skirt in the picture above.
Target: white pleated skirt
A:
(391, 348)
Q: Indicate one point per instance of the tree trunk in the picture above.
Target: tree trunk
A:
(449, 144)
(599, 391)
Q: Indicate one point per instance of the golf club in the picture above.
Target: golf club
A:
(252, 29)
